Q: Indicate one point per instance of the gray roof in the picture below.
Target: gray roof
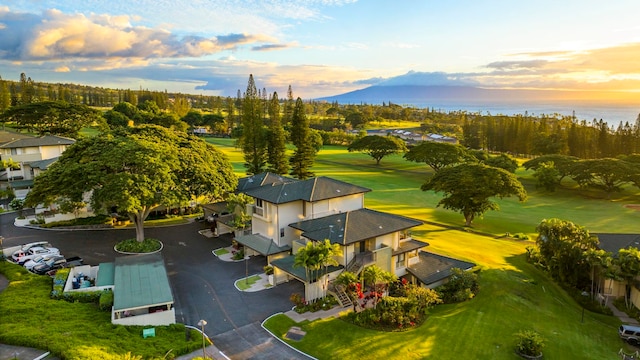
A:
(614, 242)
(311, 190)
(48, 140)
(409, 245)
(261, 244)
(258, 180)
(433, 267)
(42, 164)
(217, 208)
(353, 226)
(7, 136)
(140, 281)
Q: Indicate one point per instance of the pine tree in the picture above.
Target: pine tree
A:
(304, 155)
(254, 145)
(5, 96)
(288, 107)
(276, 142)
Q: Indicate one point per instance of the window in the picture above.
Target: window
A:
(281, 232)
(259, 203)
(400, 260)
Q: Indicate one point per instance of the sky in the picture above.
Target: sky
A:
(322, 47)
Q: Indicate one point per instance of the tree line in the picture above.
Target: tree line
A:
(521, 135)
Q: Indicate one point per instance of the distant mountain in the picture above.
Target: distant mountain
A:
(449, 95)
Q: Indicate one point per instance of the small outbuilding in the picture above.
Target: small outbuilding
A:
(142, 294)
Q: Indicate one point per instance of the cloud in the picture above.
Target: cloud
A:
(607, 68)
(55, 36)
(270, 47)
(430, 79)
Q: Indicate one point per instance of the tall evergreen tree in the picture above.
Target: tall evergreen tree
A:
(5, 96)
(276, 142)
(304, 155)
(288, 107)
(254, 145)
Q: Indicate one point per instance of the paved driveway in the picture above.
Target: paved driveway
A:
(202, 284)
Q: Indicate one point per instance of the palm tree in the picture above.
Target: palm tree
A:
(378, 279)
(327, 253)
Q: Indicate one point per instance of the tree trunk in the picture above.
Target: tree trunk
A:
(137, 218)
(468, 218)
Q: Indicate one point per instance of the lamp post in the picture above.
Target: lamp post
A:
(202, 323)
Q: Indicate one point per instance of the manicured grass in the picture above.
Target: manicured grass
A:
(244, 284)
(29, 317)
(221, 251)
(514, 295)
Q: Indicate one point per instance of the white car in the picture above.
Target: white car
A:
(25, 247)
(23, 256)
(41, 259)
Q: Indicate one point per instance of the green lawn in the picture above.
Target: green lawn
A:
(244, 284)
(29, 317)
(514, 295)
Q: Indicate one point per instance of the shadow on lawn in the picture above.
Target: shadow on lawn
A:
(511, 300)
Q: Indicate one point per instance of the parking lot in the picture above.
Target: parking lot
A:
(202, 284)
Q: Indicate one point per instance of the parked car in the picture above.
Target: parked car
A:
(40, 259)
(52, 265)
(33, 252)
(630, 334)
(25, 247)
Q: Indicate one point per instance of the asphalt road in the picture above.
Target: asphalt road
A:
(202, 284)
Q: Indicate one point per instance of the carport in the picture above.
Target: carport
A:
(142, 294)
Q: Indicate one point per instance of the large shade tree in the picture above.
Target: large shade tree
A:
(468, 188)
(439, 155)
(378, 146)
(136, 170)
(53, 117)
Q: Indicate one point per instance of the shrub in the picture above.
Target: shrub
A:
(297, 300)
(106, 300)
(134, 246)
(462, 286)
(529, 342)
(268, 269)
(238, 255)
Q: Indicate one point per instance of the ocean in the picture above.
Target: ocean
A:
(611, 114)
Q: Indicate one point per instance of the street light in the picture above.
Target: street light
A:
(202, 323)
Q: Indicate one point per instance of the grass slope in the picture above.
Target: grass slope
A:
(29, 317)
(514, 295)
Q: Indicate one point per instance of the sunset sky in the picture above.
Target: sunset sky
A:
(322, 47)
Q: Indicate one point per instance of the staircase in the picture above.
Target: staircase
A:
(339, 293)
(354, 266)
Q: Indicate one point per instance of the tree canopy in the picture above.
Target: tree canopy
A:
(135, 170)
(438, 155)
(52, 117)
(468, 188)
(378, 146)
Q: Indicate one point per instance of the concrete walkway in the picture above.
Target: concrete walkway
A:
(622, 315)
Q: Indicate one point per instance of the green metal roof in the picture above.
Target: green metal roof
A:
(299, 272)
(261, 244)
(106, 273)
(140, 281)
